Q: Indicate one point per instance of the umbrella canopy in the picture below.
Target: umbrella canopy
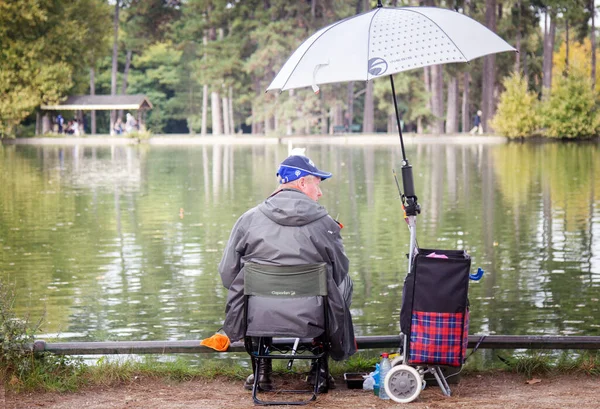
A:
(385, 41)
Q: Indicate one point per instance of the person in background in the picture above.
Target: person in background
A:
(75, 127)
(61, 122)
(477, 127)
(290, 227)
(69, 128)
(130, 123)
(118, 127)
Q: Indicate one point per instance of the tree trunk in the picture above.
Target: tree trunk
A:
(350, 106)
(466, 97)
(323, 114)
(125, 75)
(369, 110)
(452, 110)
(38, 123)
(549, 35)
(276, 115)
(525, 67)
(566, 46)
(427, 82)
(289, 126)
(392, 126)
(46, 124)
(115, 56)
(437, 99)
(267, 121)
(226, 121)
(365, 5)
(191, 106)
(488, 105)
(204, 125)
(231, 121)
(466, 115)
(337, 117)
(204, 109)
(92, 92)
(593, 41)
(217, 120)
(518, 40)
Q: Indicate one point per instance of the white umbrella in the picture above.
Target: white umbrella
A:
(385, 41)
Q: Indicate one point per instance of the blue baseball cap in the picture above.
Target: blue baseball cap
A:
(296, 166)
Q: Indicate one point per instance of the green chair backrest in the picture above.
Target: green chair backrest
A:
(285, 281)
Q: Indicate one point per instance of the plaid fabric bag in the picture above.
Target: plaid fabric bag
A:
(434, 313)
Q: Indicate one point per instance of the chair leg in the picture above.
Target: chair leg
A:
(326, 373)
(317, 374)
(262, 359)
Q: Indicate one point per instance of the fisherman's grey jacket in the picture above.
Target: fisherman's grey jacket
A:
(289, 228)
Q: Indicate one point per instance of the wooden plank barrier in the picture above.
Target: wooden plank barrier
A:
(364, 342)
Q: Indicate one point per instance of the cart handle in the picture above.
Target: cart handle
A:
(477, 276)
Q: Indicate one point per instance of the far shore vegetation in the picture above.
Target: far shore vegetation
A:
(22, 370)
(204, 66)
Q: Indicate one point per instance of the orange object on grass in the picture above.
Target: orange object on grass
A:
(218, 342)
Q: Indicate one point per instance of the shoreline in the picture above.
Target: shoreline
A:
(344, 139)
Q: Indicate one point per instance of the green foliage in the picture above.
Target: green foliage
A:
(571, 111)
(517, 115)
(540, 363)
(156, 76)
(140, 135)
(19, 365)
(15, 334)
(412, 98)
(42, 43)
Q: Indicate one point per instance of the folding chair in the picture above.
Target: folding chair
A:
(286, 301)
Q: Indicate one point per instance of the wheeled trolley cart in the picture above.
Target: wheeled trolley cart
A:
(434, 320)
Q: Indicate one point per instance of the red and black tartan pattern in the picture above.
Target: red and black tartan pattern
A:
(436, 338)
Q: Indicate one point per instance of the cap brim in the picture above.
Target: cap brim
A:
(322, 175)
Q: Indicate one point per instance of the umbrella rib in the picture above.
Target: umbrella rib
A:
(328, 28)
(449, 38)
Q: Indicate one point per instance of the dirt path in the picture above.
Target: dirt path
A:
(500, 390)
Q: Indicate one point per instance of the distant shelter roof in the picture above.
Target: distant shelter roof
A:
(101, 103)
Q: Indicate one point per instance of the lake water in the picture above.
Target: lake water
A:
(123, 242)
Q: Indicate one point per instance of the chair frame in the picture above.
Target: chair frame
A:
(318, 351)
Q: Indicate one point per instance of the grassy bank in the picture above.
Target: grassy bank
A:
(58, 373)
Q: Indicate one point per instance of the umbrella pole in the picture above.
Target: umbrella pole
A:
(411, 206)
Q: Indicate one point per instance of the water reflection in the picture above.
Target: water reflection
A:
(123, 242)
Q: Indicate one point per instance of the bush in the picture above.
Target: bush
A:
(20, 367)
(518, 110)
(15, 333)
(571, 111)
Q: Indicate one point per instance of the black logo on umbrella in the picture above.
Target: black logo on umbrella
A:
(377, 66)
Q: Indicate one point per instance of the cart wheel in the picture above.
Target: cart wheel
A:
(397, 361)
(403, 384)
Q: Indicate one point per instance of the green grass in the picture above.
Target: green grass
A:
(543, 363)
(54, 373)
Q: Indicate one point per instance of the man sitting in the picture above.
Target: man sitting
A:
(290, 228)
